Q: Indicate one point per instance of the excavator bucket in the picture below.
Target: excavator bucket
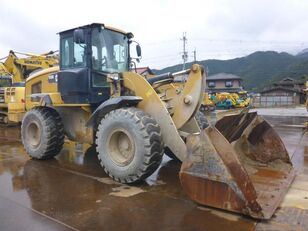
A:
(240, 165)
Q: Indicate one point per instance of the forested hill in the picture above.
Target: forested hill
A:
(257, 69)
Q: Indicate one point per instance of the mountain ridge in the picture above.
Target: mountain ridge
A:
(258, 69)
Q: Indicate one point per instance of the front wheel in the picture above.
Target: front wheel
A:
(129, 145)
(42, 133)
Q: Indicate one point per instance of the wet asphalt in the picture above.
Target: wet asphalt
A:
(72, 192)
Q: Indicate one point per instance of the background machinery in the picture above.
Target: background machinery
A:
(222, 100)
(225, 100)
(207, 104)
(13, 72)
(244, 98)
(240, 164)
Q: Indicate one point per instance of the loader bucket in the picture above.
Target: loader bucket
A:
(240, 165)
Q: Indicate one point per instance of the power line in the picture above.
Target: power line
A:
(250, 41)
(160, 57)
(240, 41)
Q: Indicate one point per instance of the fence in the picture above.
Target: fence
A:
(275, 101)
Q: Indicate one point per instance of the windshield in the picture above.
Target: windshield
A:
(109, 51)
(5, 81)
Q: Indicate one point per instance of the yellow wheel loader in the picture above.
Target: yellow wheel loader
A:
(239, 165)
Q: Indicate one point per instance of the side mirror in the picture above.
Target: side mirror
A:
(138, 50)
(79, 36)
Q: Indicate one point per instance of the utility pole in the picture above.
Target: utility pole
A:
(195, 56)
(184, 55)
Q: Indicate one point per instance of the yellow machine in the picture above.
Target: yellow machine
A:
(244, 98)
(13, 71)
(240, 164)
(20, 68)
(227, 100)
(207, 104)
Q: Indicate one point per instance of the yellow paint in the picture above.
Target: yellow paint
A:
(148, 93)
(207, 101)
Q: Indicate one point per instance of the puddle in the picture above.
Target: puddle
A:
(126, 191)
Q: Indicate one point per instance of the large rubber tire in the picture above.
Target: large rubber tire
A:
(42, 133)
(129, 145)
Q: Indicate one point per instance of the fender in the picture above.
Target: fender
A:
(42, 99)
(110, 105)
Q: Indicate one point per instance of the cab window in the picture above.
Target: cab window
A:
(72, 54)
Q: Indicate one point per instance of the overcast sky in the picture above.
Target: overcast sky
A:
(217, 29)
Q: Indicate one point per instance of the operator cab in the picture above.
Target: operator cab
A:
(87, 55)
(5, 81)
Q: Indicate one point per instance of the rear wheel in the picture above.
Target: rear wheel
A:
(42, 133)
(129, 145)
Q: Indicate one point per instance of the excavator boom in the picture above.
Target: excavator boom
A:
(13, 71)
(20, 68)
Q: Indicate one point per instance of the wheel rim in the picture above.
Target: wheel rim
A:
(33, 134)
(121, 147)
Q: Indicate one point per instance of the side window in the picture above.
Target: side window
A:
(36, 88)
(79, 57)
(120, 55)
(95, 62)
(229, 83)
(72, 54)
(211, 84)
(66, 52)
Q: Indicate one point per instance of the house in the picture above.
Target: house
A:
(286, 92)
(224, 82)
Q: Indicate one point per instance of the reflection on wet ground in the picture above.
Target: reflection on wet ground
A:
(72, 192)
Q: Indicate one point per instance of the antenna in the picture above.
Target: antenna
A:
(184, 55)
(195, 55)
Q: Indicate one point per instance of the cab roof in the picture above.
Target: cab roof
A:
(92, 25)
